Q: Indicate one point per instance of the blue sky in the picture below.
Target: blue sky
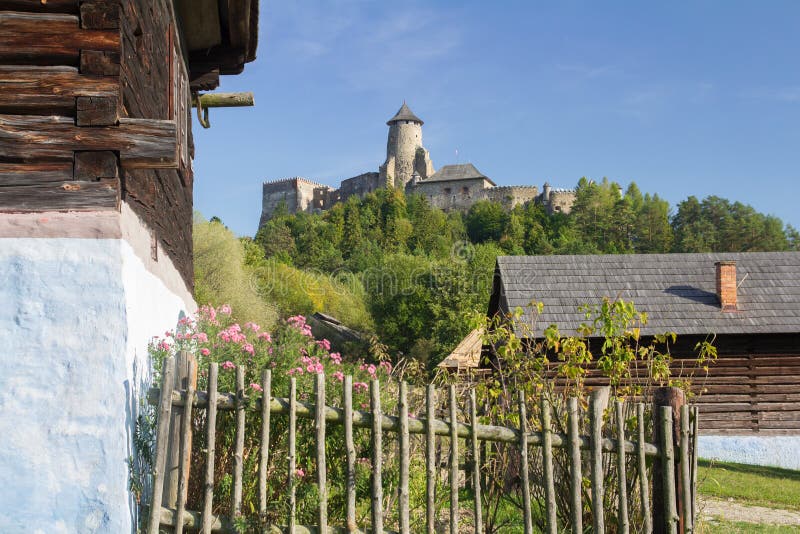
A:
(684, 98)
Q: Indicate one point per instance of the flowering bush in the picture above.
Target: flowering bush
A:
(289, 350)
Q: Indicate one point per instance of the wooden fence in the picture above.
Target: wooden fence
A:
(671, 508)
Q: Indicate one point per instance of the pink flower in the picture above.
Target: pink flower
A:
(163, 345)
(265, 336)
(226, 309)
(205, 352)
(388, 366)
(202, 337)
(371, 370)
(299, 472)
(324, 343)
(256, 387)
(228, 365)
(252, 326)
(247, 347)
(319, 368)
(338, 375)
(360, 386)
(336, 358)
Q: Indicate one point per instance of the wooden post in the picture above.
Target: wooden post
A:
(673, 398)
(211, 441)
(576, 478)
(181, 381)
(377, 457)
(453, 462)
(238, 453)
(622, 479)
(685, 470)
(292, 475)
(266, 397)
(350, 452)
(523, 455)
(670, 523)
(185, 450)
(644, 487)
(162, 438)
(476, 471)
(430, 460)
(405, 527)
(695, 435)
(322, 468)
(547, 466)
(597, 405)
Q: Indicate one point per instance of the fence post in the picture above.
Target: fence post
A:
(184, 377)
(597, 406)
(674, 398)
(162, 435)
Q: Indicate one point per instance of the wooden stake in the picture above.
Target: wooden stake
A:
(622, 479)
(430, 459)
(266, 397)
(211, 441)
(185, 449)
(597, 406)
(668, 471)
(644, 486)
(238, 454)
(476, 467)
(685, 470)
(292, 475)
(576, 477)
(350, 452)
(322, 468)
(377, 457)
(453, 462)
(523, 454)
(162, 436)
(547, 465)
(405, 527)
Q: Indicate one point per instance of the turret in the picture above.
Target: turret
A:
(404, 151)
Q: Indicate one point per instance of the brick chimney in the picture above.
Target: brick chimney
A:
(726, 284)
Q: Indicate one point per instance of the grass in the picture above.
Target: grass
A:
(751, 484)
(725, 527)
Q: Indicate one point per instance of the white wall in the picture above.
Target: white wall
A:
(75, 318)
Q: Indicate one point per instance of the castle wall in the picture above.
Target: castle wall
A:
(511, 196)
(298, 194)
(559, 201)
(360, 185)
(452, 195)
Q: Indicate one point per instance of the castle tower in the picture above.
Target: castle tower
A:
(404, 151)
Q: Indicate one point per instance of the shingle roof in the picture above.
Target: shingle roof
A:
(463, 171)
(678, 291)
(467, 354)
(404, 114)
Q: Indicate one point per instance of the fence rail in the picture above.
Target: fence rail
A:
(673, 492)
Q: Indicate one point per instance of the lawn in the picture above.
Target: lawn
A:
(751, 484)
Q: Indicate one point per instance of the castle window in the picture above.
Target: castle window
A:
(465, 190)
(446, 190)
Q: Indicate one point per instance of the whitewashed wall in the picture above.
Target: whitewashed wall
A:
(75, 318)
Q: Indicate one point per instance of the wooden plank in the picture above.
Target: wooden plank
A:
(576, 478)
(162, 438)
(96, 111)
(527, 517)
(99, 62)
(142, 143)
(185, 375)
(238, 452)
(34, 173)
(34, 6)
(685, 473)
(49, 90)
(211, 445)
(644, 486)
(292, 475)
(32, 38)
(185, 449)
(405, 456)
(695, 448)
(95, 166)
(454, 460)
(100, 15)
(430, 459)
(668, 473)
(551, 522)
(350, 453)
(476, 465)
(263, 462)
(60, 196)
(597, 406)
(206, 81)
(377, 456)
(622, 480)
(239, 23)
(202, 16)
(322, 469)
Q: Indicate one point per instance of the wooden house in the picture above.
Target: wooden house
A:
(95, 233)
(749, 303)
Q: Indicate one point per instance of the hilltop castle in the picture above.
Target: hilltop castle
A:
(408, 166)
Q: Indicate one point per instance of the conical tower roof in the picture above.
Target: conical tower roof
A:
(404, 114)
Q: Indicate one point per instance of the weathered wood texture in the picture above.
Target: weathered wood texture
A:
(49, 90)
(37, 6)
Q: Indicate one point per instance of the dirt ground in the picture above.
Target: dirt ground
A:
(730, 510)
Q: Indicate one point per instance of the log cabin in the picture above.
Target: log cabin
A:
(748, 303)
(96, 184)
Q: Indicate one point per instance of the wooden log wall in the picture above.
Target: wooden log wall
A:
(94, 111)
(752, 388)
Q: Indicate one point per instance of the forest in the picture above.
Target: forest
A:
(414, 279)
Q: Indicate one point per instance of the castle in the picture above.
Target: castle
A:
(408, 166)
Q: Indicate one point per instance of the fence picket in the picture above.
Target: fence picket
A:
(404, 459)
(622, 479)
(527, 517)
(547, 466)
(695, 431)
(377, 458)
(685, 470)
(322, 468)
(292, 452)
(644, 486)
(185, 450)
(597, 406)
(576, 477)
(266, 397)
(238, 454)
(211, 444)
(476, 464)
(162, 435)
(668, 470)
(430, 459)
(453, 462)
(350, 453)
